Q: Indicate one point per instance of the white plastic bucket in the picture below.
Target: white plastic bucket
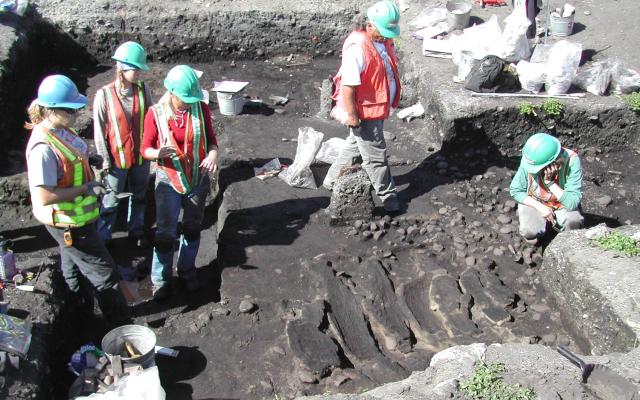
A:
(142, 338)
(459, 13)
(561, 26)
(230, 103)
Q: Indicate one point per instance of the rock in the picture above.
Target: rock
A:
(506, 229)
(437, 248)
(604, 201)
(378, 234)
(511, 204)
(443, 211)
(246, 306)
(540, 308)
(498, 252)
(367, 234)
(470, 261)
(358, 224)
(549, 339)
(504, 219)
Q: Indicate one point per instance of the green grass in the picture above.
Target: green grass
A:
(633, 101)
(486, 384)
(527, 109)
(552, 108)
(619, 242)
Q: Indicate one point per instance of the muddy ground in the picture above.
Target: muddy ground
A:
(292, 305)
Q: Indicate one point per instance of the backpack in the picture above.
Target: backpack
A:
(492, 74)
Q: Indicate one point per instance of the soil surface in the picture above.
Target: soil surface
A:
(293, 305)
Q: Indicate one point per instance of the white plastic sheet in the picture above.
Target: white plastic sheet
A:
(144, 385)
(299, 174)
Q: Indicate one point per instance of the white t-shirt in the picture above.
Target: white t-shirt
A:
(353, 66)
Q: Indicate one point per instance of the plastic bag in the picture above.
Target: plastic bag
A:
(515, 43)
(595, 78)
(531, 75)
(14, 6)
(479, 40)
(562, 66)
(15, 335)
(144, 385)
(429, 17)
(541, 53)
(330, 150)
(299, 174)
(623, 79)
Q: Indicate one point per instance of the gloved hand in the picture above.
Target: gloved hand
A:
(95, 160)
(96, 189)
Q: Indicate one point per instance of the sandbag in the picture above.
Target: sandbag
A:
(562, 66)
(492, 74)
(299, 173)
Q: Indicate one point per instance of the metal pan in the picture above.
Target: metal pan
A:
(601, 380)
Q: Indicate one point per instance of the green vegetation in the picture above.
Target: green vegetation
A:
(527, 109)
(633, 101)
(486, 384)
(552, 107)
(619, 242)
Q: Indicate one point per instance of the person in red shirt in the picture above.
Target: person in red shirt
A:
(178, 134)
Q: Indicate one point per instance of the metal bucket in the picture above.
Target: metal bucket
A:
(230, 103)
(141, 338)
(458, 15)
(561, 26)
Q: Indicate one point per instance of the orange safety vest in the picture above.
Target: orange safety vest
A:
(372, 95)
(182, 169)
(124, 138)
(541, 192)
(84, 209)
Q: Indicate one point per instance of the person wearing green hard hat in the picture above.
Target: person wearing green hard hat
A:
(119, 109)
(64, 195)
(367, 88)
(179, 136)
(548, 186)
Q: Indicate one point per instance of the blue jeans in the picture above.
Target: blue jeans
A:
(135, 179)
(168, 206)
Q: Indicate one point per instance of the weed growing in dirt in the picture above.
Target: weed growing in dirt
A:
(552, 108)
(486, 383)
(633, 101)
(619, 242)
(527, 109)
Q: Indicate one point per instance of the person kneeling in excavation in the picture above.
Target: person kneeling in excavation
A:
(65, 196)
(178, 134)
(548, 186)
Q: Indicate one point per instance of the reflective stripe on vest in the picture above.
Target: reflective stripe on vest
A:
(76, 172)
(184, 170)
(124, 137)
(372, 95)
(538, 190)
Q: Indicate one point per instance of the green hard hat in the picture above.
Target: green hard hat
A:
(132, 53)
(183, 82)
(540, 150)
(385, 16)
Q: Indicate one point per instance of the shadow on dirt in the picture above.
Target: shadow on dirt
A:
(189, 364)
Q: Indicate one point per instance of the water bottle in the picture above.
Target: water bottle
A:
(7, 261)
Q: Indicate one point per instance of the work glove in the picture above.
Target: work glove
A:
(95, 160)
(96, 189)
